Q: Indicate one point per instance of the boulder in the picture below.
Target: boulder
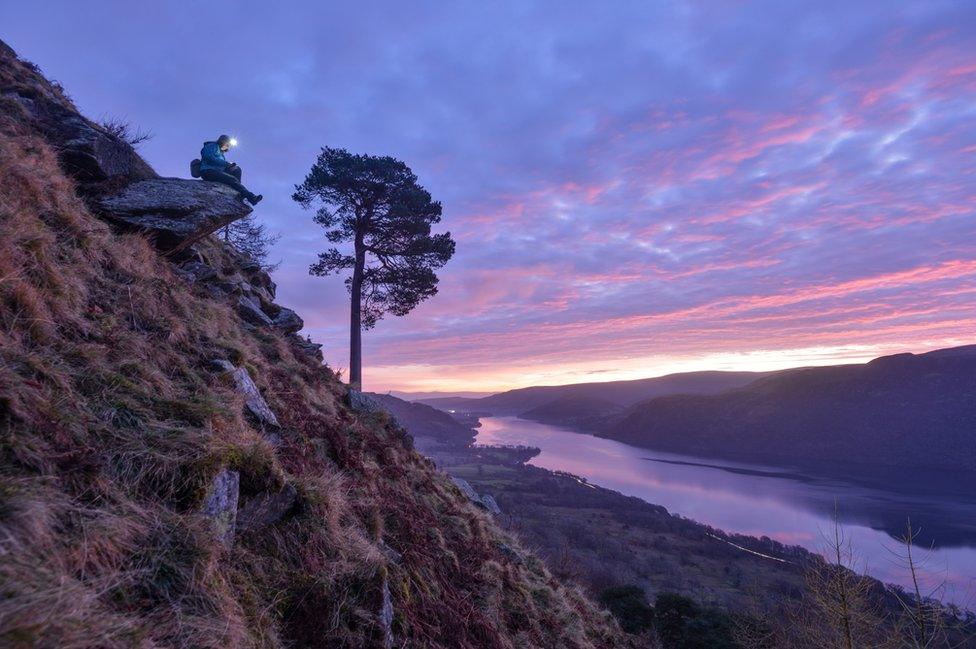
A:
(174, 211)
(220, 504)
(198, 271)
(467, 489)
(252, 396)
(485, 502)
(263, 280)
(233, 283)
(265, 509)
(266, 300)
(250, 309)
(92, 155)
(308, 347)
(250, 266)
(288, 321)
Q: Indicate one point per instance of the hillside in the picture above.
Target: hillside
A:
(431, 428)
(573, 411)
(178, 467)
(916, 411)
(621, 393)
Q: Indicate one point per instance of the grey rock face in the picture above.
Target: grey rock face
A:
(312, 349)
(265, 509)
(265, 298)
(250, 309)
(92, 155)
(288, 321)
(252, 396)
(466, 489)
(222, 365)
(488, 502)
(87, 151)
(360, 402)
(198, 271)
(386, 615)
(220, 504)
(485, 502)
(263, 280)
(176, 212)
(235, 283)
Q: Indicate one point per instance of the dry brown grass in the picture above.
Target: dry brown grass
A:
(112, 426)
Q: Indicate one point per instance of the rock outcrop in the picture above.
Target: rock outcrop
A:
(360, 402)
(250, 309)
(250, 289)
(175, 212)
(484, 501)
(488, 502)
(88, 152)
(220, 505)
(287, 321)
(253, 400)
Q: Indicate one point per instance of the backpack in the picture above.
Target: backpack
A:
(195, 168)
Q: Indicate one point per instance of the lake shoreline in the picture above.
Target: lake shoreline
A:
(735, 472)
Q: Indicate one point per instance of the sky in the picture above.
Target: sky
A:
(635, 188)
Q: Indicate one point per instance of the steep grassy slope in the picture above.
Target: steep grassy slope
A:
(113, 425)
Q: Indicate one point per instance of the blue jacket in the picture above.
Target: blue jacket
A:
(212, 158)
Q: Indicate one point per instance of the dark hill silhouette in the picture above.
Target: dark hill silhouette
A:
(621, 393)
(432, 428)
(908, 410)
(575, 411)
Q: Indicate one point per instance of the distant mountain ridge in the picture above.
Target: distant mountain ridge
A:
(906, 410)
(595, 399)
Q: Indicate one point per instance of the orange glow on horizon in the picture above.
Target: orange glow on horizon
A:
(444, 378)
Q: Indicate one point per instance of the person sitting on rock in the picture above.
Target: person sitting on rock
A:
(214, 166)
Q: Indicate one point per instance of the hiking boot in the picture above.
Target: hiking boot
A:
(255, 198)
(242, 197)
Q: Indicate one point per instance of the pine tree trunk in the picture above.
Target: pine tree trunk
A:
(355, 324)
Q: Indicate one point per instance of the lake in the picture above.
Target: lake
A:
(785, 504)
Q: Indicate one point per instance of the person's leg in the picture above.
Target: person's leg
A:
(226, 179)
(236, 171)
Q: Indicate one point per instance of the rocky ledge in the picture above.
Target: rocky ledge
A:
(175, 212)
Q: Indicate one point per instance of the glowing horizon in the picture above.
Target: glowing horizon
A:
(428, 380)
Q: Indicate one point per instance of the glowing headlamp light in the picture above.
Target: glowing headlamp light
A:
(233, 141)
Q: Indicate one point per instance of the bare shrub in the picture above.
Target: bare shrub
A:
(122, 129)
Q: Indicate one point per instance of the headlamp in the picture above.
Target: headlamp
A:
(233, 141)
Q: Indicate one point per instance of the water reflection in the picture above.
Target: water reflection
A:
(784, 504)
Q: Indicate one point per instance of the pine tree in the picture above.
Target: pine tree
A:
(376, 203)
